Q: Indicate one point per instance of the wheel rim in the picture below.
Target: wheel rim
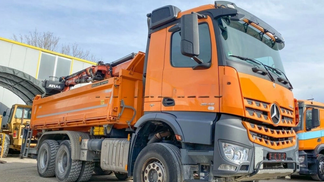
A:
(321, 166)
(62, 162)
(154, 171)
(43, 159)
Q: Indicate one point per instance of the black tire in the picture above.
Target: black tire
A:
(97, 170)
(121, 176)
(6, 146)
(46, 158)
(160, 160)
(319, 164)
(66, 169)
(86, 171)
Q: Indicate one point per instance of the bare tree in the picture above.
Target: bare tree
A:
(47, 40)
(93, 58)
(75, 51)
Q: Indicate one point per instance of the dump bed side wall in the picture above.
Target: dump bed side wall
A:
(91, 105)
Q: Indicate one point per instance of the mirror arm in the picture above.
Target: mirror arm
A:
(200, 16)
(201, 66)
(197, 59)
(315, 118)
(175, 28)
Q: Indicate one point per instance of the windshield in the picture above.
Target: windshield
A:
(241, 39)
(301, 123)
(20, 111)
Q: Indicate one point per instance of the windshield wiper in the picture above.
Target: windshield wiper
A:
(275, 70)
(279, 73)
(256, 69)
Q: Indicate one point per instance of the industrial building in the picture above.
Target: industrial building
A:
(32, 62)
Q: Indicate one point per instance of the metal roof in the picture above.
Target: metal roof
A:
(23, 85)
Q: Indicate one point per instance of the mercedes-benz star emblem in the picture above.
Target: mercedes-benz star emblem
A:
(275, 114)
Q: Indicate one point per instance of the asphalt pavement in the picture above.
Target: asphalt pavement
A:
(24, 170)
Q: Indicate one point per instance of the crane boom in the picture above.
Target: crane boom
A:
(91, 74)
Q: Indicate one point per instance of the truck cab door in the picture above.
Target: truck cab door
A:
(314, 134)
(185, 88)
(154, 71)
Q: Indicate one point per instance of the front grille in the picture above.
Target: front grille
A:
(269, 137)
(260, 111)
(263, 131)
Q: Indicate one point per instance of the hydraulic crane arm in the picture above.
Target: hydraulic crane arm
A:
(94, 73)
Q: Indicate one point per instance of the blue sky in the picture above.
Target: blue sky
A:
(113, 29)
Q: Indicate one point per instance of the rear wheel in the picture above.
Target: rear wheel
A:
(86, 171)
(158, 162)
(319, 168)
(66, 169)
(121, 176)
(46, 158)
(97, 170)
(6, 146)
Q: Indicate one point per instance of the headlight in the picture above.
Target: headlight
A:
(301, 159)
(235, 153)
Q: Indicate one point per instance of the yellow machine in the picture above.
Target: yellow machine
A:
(12, 125)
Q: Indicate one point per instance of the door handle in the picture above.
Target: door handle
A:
(168, 102)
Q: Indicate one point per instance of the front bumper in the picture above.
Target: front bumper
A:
(308, 166)
(265, 174)
(229, 129)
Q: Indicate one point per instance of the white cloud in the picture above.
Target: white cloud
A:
(307, 78)
(266, 8)
(112, 29)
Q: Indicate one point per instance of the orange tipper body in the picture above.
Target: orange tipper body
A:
(310, 137)
(95, 104)
(210, 94)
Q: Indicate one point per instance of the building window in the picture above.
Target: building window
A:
(46, 66)
(179, 60)
(52, 67)
(62, 67)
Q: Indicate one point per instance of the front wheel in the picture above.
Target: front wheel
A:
(6, 145)
(158, 162)
(319, 168)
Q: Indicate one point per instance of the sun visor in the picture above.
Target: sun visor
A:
(250, 17)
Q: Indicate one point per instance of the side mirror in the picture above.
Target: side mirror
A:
(4, 113)
(190, 35)
(315, 118)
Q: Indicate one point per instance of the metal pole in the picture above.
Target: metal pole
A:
(24, 141)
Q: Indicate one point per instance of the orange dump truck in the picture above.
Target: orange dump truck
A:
(209, 100)
(310, 136)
